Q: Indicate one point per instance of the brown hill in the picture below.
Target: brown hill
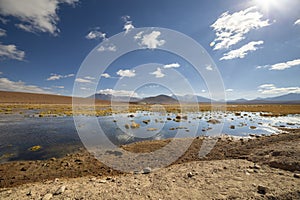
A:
(33, 98)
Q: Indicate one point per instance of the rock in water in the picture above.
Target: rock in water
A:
(147, 170)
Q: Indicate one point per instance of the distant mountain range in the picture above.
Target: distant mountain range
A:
(287, 98)
(165, 99)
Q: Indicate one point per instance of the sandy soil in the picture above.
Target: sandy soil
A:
(266, 167)
(223, 179)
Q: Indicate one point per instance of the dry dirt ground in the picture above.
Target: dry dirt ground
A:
(266, 167)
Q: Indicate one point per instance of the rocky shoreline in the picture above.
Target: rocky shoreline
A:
(265, 167)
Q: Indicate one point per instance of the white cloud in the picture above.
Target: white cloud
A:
(19, 86)
(126, 73)
(281, 66)
(158, 73)
(297, 22)
(35, 15)
(119, 92)
(2, 32)
(203, 91)
(272, 89)
(89, 78)
(95, 34)
(231, 28)
(229, 90)
(128, 26)
(105, 75)
(3, 21)
(10, 51)
(54, 77)
(209, 68)
(82, 80)
(150, 40)
(172, 65)
(243, 51)
(59, 87)
(110, 47)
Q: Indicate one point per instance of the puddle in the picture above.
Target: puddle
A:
(58, 136)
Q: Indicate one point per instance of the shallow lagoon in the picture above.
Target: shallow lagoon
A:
(58, 136)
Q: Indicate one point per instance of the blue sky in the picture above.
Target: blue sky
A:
(254, 45)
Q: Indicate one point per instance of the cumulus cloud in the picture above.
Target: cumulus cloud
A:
(82, 80)
(231, 28)
(281, 66)
(54, 77)
(126, 73)
(95, 34)
(119, 92)
(128, 26)
(110, 47)
(243, 51)
(297, 22)
(105, 75)
(150, 40)
(11, 52)
(19, 86)
(272, 89)
(34, 15)
(229, 90)
(158, 73)
(172, 65)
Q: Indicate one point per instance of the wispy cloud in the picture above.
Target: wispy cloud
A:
(3, 20)
(19, 86)
(96, 34)
(11, 52)
(2, 32)
(119, 92)
(35, 16)
(59, 86)
(151, 40)
(272, 89)
(158, 73)
(243, 51)
(297, 22)
(110, 47)
(54, 77)
(128, 26)
(231, 28)
(281, 66)
(209, 68)
(172, 65)
(105, 75)
(126, 73)
(82, 80)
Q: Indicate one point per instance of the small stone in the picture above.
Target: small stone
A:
(102, 181)
(147, 170)
(255, 166)
(190, 174)
(23, 169)
(296, 175)
(53, 159)
(262, 189)
(60, 190)
(47, 196)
